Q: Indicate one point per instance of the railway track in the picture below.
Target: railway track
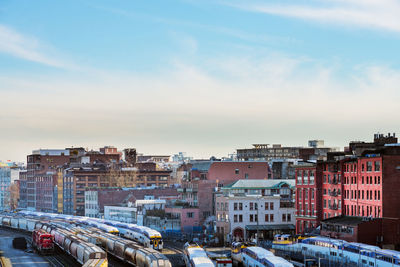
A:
(59, 259)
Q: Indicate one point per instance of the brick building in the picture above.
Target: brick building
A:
(361, 184)
(308, 197)
(199, 191)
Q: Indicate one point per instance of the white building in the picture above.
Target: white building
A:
(250, 207)
(122, 214)
(92, 204)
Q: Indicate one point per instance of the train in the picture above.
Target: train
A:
(236, 251)
(125, 250)
(260, 257)
(340, 252)
(131, 252)
(76, 219)
(80, 250)
(42, 241)
(142, 234)
(195, 256)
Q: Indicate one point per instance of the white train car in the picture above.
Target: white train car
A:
(195, 256)
(260, 257)
(142, 234)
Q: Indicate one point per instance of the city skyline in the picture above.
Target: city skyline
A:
(202, 77)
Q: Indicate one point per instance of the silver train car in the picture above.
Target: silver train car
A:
(142, 234)
(70, 218)
(80, 250)
(343, 252)
(260, 257)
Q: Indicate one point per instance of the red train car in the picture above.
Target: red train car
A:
(42, 241)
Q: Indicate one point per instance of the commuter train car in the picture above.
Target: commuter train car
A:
(76, 219)
(236, 251)
(260, 257)
(195, 256)
(342, 252)
(142, 234)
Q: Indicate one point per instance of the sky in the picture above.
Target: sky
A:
(205, 77)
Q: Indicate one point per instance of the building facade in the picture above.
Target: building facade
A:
(5, 183)
(308, 197)
(251, 208)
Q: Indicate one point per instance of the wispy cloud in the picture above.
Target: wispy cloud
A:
(204, 108)
(378, 14)
(27, 48)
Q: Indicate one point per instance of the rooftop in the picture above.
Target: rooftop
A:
(255, 184)
(346, 220)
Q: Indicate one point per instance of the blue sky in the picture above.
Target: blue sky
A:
(205, 77)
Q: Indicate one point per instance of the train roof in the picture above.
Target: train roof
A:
(390, 252)
(332, 241)
(260, 252)
(363, 246)
(202, 262)
(196, 252)
(277, 261)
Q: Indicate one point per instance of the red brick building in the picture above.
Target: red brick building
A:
(199, 191)
(308, 197)
(331, 191)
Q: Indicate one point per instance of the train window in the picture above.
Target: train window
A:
(371, 264)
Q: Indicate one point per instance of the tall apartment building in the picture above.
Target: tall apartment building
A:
(308, 197)
(358, 190)
(5, 182)
(42, 168)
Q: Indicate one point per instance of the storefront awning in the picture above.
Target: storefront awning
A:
(270, 227)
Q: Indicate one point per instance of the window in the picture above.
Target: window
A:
(266, 205)
(375, 179)
(312, 193)
(377, 166)
(369, 166)
(240, 218)
(271, 205)
(235, 218)
(379, 180)
(324, 178)
(379, 195)
(267, 217)
(251, 217)
(240, 206)
(271, 217)
(325, 191)
(256, 217)
(362, 179)
(256, 206)
(370, 179)
(289, 217)
(283, 217)
(235, 206)
(324, 203)
(251, 206)
(362, 167)
(189, 214)
(236, 171)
